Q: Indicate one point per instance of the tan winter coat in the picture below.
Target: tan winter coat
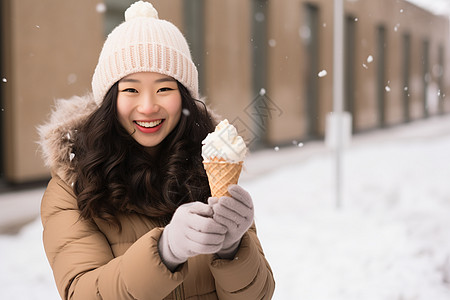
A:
(92, 260)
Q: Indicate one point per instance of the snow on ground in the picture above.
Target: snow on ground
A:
(24, 271)
(389, 240)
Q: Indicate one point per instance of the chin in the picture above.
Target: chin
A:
(148, 143)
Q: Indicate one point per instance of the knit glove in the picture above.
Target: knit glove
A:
(191, 231)
(236, 214)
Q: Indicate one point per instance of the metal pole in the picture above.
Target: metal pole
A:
(338, 91)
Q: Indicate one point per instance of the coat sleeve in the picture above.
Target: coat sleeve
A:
(82, 261)
(248, 275)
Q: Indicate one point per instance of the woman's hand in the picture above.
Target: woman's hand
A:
(236, 214)
(192, 231)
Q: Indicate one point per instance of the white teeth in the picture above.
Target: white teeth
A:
(149, 124)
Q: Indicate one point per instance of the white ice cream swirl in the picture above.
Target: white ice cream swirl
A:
(224, 144)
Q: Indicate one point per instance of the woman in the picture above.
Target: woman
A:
(128, 213)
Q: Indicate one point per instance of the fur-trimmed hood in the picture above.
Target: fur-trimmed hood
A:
(56, 136)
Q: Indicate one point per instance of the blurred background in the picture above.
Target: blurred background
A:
(267, 66)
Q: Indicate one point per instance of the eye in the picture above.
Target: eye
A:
(130, 90)
(164, 89)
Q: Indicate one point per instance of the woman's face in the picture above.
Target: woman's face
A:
(149, 106)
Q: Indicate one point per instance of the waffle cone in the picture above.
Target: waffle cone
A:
(221, 174)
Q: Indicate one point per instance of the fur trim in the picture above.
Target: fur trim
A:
(57, 135)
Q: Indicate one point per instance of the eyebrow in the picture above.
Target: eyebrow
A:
(165, 79)
(159, 80)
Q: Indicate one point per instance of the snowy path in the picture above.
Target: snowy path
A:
(390, 240)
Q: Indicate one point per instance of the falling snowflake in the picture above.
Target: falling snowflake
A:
(262, 92)
(304, 32)
(276, 148)
(259, 17)
(4, 79)
(186, 112)
(370, 59)
(387, 88)
(297, 143)
(101, 8)
(322, 73)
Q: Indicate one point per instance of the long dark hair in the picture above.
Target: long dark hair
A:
(115, 174)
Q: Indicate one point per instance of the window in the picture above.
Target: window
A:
(381, 74)
(194, 33)
(2, 103)
(425, 75)
(259, 67)
(406, 69)
(312, 86)
(440, 78)
(114, 13)
(350, 54)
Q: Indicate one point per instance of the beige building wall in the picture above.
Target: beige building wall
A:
(227, 60)
(289, 63)
(286, 70)
(419, 25)
(289, 66)
(50, 48)
(401, 17)
(168, 10)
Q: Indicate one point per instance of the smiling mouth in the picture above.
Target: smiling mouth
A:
(149, 124)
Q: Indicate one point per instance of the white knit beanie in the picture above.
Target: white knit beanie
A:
(144, 43)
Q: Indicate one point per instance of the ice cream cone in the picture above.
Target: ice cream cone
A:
(221, 174)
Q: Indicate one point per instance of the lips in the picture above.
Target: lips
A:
(149, 126)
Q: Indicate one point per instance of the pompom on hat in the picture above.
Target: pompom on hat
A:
(144, 43)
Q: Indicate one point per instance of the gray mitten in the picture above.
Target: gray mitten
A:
(191, 231)
(236, 214)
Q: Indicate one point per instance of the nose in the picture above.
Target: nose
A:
(147, 105)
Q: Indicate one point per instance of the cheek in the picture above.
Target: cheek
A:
(174, 108)
(123, 111)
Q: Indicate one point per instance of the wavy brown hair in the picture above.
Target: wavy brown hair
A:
(115, 174)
